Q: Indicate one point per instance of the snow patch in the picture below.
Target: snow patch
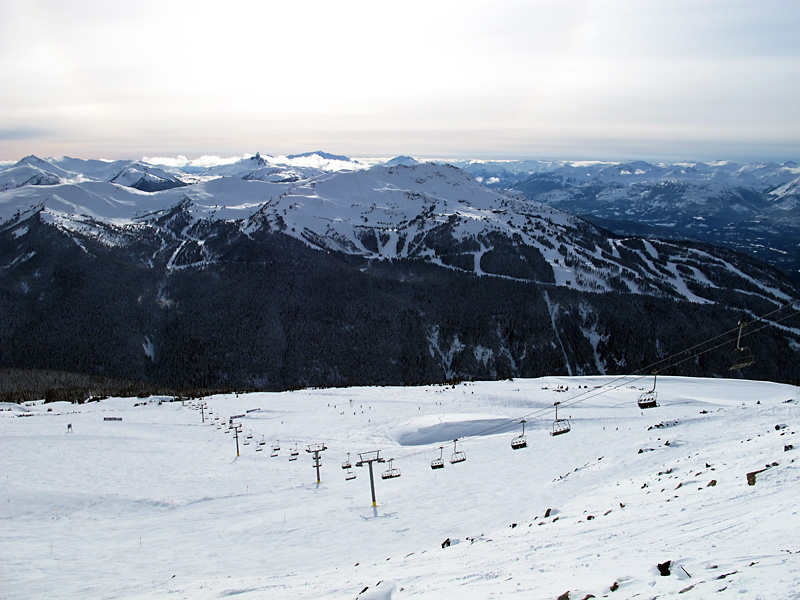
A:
(149, 348)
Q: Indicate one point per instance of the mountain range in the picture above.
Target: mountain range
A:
(315, 269)
(754, 208)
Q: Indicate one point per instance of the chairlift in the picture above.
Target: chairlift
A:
(250, 435)
(346, 464)
(457, 455)
(390, 473)
(520, 441)
(262, 441)
(438, 463)
(259, 448)
(648, 399)
(560, 426)
(349, 475)
(277, 446)
(741, 357)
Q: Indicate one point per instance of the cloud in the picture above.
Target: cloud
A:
(212, 81)
(181, 161)
(22, 133)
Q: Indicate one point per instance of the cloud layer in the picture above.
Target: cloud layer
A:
(550, 78)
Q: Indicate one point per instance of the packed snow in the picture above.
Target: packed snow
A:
(139, 498)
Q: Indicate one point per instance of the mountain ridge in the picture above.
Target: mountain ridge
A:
(388, 275)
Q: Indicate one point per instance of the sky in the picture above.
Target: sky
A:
(569, 79)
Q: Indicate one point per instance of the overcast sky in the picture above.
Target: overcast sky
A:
(603, 79)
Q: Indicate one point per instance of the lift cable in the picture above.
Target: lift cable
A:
(629, 378)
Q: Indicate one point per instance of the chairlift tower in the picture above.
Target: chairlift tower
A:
(203, 406)
(237, 428)
(369, 458)
(315, 450)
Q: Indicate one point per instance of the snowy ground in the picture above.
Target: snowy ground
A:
(158, 505)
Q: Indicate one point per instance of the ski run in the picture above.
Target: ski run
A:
(139, 498)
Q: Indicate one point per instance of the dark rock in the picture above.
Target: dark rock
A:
(663, 568)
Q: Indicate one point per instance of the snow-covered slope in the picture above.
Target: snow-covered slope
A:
(156, 504)
(32, 170)
(752, 208)
(432, 212)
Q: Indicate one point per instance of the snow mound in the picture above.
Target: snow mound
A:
(14, 408)
(432, 429)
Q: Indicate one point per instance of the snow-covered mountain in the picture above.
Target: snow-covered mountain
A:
(146, 498)
(32, 170)
(467, 281)
(753, 208)
(426, 211)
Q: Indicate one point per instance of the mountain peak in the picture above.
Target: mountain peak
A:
(401, 160)
(31, 160)
(321, 154)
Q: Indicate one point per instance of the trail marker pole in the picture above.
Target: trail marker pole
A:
(369, 458)
(315, 449)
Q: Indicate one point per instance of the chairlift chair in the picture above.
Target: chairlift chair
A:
(438, 463)
(390, 473)
(293, 454)
(457, 456)
(560, 426)
(648, 399)
(349, 475)
(741, 357)
(250, 435)
(347, 464)
(520, 441)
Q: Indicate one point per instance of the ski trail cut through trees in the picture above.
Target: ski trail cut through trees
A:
(552, 309)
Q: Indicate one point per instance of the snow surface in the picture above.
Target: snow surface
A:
(157, 504)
